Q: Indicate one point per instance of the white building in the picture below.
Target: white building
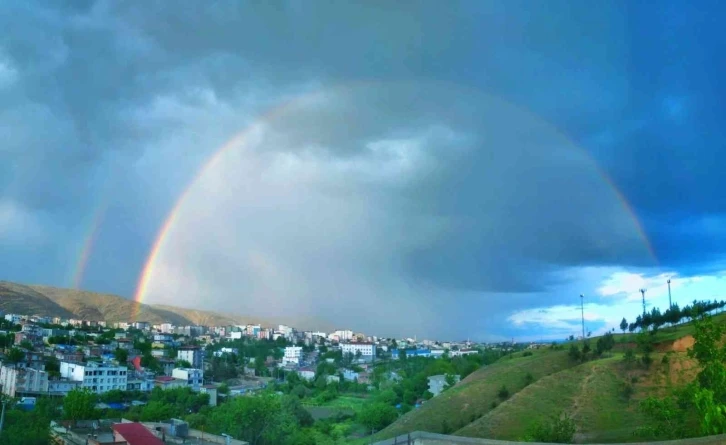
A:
(194, 377)
(307, 374)
(437, 383)
(286, 331)
(166, 328)
(236, 335)
(63, 386)
(13, 318)
(367, 350)
(98, 377)
(463, 352)
(293, 355)
(22, 380)
(344, 335)
(193, 355)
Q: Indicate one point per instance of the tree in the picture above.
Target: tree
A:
(624, 325)
(183, 364)
(15, 356)
(450, 380)
(121, 356)
(376, 416)
(79, 404)
(558, 429)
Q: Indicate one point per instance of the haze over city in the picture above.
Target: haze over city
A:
(453, 174)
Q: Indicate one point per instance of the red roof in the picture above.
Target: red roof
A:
(136, 434)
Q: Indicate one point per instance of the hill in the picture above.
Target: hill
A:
(601, 396)
(71, 303)
(17, 298)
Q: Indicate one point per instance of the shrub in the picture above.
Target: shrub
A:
(628, 391)
(528, 379)
(503, 393)
(526, 353)
(494, 404)
(558, 429)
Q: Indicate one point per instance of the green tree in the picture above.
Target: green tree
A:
(667, 419)
(121, 355)
(450, 380)
(79, 404)
(15, 356)
(624, 325)
(183, 364)
(376, 415)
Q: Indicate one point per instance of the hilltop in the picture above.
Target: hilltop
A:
(72, 303)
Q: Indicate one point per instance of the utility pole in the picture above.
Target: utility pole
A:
(582, 310)
(670, 302)
(2, 417)
(642, 292)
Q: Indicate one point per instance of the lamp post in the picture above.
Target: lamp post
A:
(642, 292)
(582, 311)
(670, 302)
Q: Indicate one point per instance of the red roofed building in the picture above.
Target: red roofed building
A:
(134, 434)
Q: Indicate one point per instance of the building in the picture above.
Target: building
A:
(437, 383)
(306, 373)
(350, 375)
(166, 382)
(395, 353)
(192, 354)
(22, 380)
(293, 355)
(463, 352)
(97, 377)
(62, 386)
(367, 350)
(134, 434)
(212, 391)
(194, 377)
(14, 318)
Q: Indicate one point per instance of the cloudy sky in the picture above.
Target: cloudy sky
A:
(450, 171)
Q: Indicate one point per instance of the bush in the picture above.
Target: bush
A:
(494, 404)
(628, 391)
(526, 353)
(559, 429)
(503, 393)
(528, 379)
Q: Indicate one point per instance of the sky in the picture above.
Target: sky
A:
(453, 171)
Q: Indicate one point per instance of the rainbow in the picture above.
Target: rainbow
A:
(88, 244)
(240, 138)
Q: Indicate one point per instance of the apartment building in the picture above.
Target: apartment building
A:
(192, 354)
(293, 355)
(22, 380)
(194, 377)
(98, 377)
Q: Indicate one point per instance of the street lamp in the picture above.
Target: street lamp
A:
(670, 302)
(582, 310)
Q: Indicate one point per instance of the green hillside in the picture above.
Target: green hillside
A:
(601, 396)
(473, 397)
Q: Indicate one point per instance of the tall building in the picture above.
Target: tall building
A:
(21, 380)
(98, 377)
(192, 354)
(293, 355)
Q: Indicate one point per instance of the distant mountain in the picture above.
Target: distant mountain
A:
(71, 303)
(17, 298)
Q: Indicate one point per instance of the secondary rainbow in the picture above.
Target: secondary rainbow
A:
(240, 138)
(88, 244)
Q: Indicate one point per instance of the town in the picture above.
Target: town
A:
(122, 363)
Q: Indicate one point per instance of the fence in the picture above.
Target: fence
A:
(423, 438)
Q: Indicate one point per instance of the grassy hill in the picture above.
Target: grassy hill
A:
(473, 397)
(601, 396)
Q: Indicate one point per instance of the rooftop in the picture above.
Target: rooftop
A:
(136, 434)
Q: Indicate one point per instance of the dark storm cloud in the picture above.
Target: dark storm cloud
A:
(118, 104)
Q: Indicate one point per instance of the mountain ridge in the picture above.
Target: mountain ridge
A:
(73, 303)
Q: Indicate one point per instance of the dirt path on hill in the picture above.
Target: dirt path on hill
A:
(579, 436)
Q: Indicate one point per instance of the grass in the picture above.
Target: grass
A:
(473, 397)
(343, 405)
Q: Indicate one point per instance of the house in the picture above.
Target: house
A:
(134, 434)
(437, 383)
(350, 375)
(306, 373)
(332, 379)
(62, 386)
(166, 382)
(193, 376)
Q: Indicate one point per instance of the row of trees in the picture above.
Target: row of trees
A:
(673, 315)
